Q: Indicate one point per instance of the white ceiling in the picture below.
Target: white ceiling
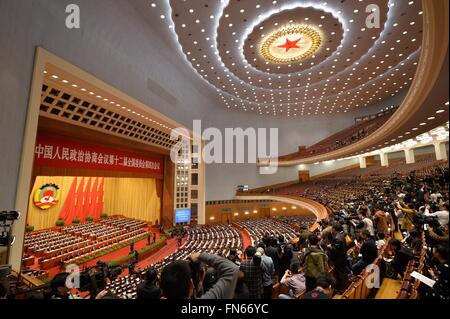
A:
(354, 68)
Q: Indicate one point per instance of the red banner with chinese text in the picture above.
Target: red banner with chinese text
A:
(55, 152)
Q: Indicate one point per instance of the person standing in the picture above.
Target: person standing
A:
(314, 261)
(268, 273)
(253, 273)
(338, 257)
(368, 250)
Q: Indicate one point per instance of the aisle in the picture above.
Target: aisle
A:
(162, 253)
(246, 240)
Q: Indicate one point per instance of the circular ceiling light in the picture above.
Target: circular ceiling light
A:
(291, 44)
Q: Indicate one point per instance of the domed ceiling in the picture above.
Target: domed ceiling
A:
(299, 58)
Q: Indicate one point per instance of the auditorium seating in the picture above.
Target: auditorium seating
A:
(343, 138)
(298, 222)
(258, 228)
(217, 239)
(75, 243)
(409, 284)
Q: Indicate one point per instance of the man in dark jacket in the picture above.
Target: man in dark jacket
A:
(149, 288)
(272, 252)
(402, 256)
(177, 283)
(338, 257)
(368, 251)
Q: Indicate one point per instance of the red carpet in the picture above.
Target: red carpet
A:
(247, 241)
(165, 251)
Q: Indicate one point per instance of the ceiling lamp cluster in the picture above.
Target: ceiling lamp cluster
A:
(291, 44)
(247, 53)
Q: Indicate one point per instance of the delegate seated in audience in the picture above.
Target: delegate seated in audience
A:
(253, 273)
(294, 280)
(368, 251)
(149, 289)
(269, 271)
(402, 256)
(324, 288)
(314, 262)
(176, 278)
(437, 271)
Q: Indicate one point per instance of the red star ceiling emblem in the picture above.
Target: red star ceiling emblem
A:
(290, 44)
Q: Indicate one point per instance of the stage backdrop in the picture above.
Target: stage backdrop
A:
(91, 196)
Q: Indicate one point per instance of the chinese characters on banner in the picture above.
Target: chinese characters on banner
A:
(54, 152)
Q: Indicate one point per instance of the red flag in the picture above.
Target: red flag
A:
(69, 202)
(86, 197)
(92, 200)
(100, 198)
(78, 211)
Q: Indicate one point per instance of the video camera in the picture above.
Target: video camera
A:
(421, 220)
(94, 278)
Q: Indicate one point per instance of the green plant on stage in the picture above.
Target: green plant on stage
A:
(110, 250)
(118, 261)
(29, 228)
(60, 223)
(76, 220)
(89, 218)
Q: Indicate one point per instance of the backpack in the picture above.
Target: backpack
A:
(316, 262)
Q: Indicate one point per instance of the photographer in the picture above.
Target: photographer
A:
(368, 251)
(294, 280)
(58, 287)
(149, 288)
(338, 257)
(402, 256)
(408, 215)
(253, 271)
(438, 272)
(177, 281)
(442, 214)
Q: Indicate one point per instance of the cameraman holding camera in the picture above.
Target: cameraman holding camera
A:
(177, 278)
